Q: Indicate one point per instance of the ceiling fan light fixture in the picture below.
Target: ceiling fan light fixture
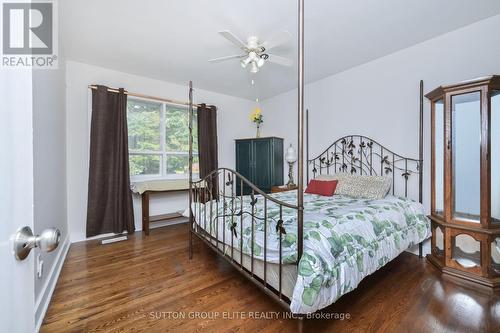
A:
(244, 63)
(254, 67)
(253, 56)
(255, 51)
(260, 62)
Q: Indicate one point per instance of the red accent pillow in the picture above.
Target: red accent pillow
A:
(322, 187)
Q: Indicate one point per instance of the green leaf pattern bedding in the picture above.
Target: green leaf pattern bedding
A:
(345, 239)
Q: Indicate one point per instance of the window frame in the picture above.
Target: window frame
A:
(162, 152)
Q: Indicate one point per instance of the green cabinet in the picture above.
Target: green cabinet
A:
(260, 160)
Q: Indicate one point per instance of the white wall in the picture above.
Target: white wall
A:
(49, 175)
(49, 159)
(380, 99)
(232, 123)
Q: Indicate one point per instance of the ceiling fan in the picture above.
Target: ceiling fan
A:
(255, 52)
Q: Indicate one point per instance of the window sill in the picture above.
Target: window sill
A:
(152, 179)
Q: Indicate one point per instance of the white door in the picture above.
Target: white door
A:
(17, 296)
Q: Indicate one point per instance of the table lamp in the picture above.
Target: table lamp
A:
(291, 158)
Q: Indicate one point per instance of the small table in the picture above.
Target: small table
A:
(148, 188)
(283, 188)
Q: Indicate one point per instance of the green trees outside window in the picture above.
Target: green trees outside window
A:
(159, 139)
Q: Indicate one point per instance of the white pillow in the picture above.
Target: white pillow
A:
(360, 186)
(363, 186)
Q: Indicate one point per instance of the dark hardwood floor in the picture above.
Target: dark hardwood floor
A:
(148, 284)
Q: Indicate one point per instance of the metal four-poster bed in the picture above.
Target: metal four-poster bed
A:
(353, 154)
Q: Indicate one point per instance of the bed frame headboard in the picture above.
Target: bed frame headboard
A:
(358, 154)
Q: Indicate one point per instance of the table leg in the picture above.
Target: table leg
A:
(145, 212)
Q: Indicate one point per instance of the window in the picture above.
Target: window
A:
(158, 140)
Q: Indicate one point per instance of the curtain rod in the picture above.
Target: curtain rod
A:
(171, 101)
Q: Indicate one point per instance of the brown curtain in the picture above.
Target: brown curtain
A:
(109, 207)
(207, 143)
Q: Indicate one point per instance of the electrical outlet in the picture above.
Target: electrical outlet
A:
(39, 266)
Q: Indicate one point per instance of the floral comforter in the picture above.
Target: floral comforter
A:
(345, 239)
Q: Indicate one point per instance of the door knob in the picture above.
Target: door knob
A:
(24, 241)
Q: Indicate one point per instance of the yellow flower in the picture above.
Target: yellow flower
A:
(256, 114)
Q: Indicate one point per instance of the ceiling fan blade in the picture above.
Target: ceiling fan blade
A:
(239, 56)
(280, 60)
(233, 39)
(278, 39)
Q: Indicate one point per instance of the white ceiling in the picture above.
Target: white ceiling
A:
(172, 40)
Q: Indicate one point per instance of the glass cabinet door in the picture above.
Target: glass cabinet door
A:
(495, 157)
(439, 157)
(495, 257)
(466, 251)
(466, 156)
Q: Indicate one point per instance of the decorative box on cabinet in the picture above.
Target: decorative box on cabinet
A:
(465, 180)
(260, 160)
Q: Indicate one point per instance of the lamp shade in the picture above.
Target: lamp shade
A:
(291, 155)
(254, 68)
(260, 62)
(244, 63)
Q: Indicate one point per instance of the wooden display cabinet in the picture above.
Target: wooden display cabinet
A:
(465, 180)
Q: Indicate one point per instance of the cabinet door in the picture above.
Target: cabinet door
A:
(495, 160)
(466, 157)
(277, 166)
(243, 164)
(262, 164)
(438, 140)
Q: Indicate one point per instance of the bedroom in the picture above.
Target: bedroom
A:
(372, 75)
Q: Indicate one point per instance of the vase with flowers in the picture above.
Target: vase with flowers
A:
(257, 119)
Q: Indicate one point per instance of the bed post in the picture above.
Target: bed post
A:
(300, 169)
(421, 155)
(307, 146)
(190, 200)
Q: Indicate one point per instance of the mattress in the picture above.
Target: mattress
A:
(345, 239)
